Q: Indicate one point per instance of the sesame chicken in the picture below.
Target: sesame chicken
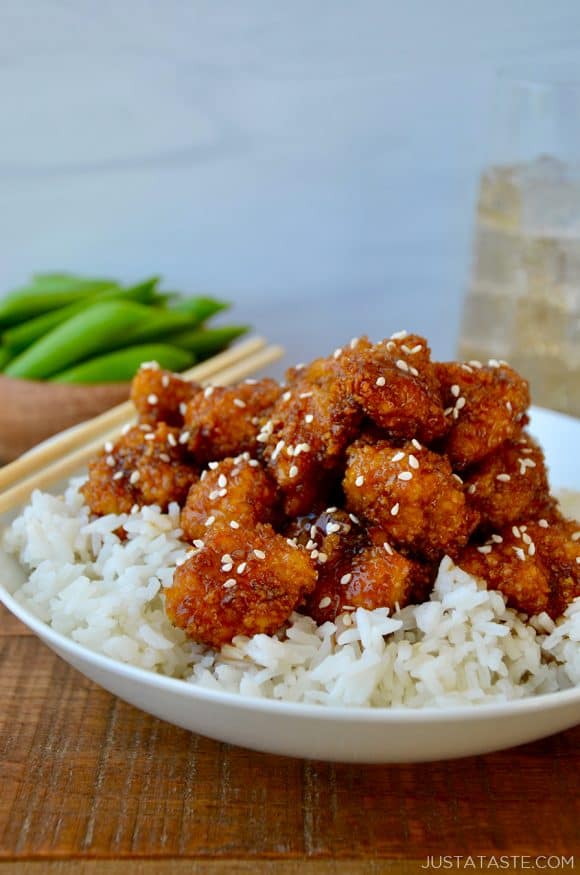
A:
(238, 583)
(234, 490)
(485, 406)
(160, 396)
(510, 484)
(144, 466)
(222, 421)
(412, 495)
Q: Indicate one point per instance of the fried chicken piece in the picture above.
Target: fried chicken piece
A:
(160, 396)
(510, 484)
(308, 431)
(223, 422)
(412, 494)
(238, 583)
(486, 405)
(237, 491)
(145, 466)
(536, 565)
(357, 568)
(396, 385)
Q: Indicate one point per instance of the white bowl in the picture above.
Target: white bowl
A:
(339, 734)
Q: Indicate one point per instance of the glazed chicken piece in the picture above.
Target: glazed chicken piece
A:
(145, 466)
(412, 494)
(396, 385)
(236, 491)
(510, 484)
(536, 565)
(307, 432)
(221, 422)
(238, 583)
(160, 396)
(357, 568)
(485, 406)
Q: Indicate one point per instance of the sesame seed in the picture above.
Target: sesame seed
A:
(259, 554)
(346, 578)
(475, 364)
(467, 368)
(212, 465)
(110, 461)
(108, 447)
(325, 602)
(519, 553)
(239, 403)
(222, 480)
(203, 475)
(250, 382)
(126, 429)
(322, 557)
(305, 395)
(314, 554)
(460, 403)
(359, 480)
(516, 532)
(485, 549)
(331, 528)
(526, 539)
(208, 391)
(209, 521)
(135, 509)
(575, 535)
(413, 371)
(416, 444)
(118, 475)
(214, 494)
(455, 390)
(234, 524)
(293, 472)
(164, 457)
(337, 353)
(150, 366)
(171, 440)
(229, 583)
(354, 342)
(543, 524)
(577, 560)
(348, 608)
(402, 365)
(395, 509)
(241, 568)
(279, 447)
(471, 488)
(165, 381)
(493, 363)
(227, 567)
(150, 436)
(183, 408)
(331, 510)
(184, 437)
(253, 463)
(353, 517)
(508, 405)
(399, 335)
(497, 539)
(532, 549)
(398, 456)
(413, 461)
(380, 381)
(309, 418)
(286, 396)
(145, 428)
(458, 478)
(448, 411)
(405, 475)
(291, 542)
(198, 543)
(311, 544)
(503, 478)
(134, 478)
(387, 547)
(152, 399)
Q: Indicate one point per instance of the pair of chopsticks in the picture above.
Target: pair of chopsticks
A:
(61, 456)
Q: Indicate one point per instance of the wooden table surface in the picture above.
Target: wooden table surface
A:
(90, 784)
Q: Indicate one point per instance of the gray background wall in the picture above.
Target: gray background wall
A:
(315, 161)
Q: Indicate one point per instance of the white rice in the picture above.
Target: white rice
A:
(464, 646)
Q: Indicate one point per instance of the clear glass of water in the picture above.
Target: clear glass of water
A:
(523, 301)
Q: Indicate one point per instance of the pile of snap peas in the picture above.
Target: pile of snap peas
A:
(73, 329)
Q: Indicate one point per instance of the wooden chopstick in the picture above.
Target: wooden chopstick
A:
(40, 456)
(65, 465)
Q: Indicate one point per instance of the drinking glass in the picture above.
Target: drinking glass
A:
(523, 301)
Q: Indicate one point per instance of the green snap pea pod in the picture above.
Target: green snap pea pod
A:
(159, 324)
(38, 298)
(206, 342)
(200, 308)
(96, 330)
(4, 357)
(120, 366)
(22, 336)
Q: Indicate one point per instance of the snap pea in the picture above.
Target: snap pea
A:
(4, 357)
(200, 308)
(45, 294)
(158, 324)
(22, 336)
(206, 342)
(97, 329)
(120, 366)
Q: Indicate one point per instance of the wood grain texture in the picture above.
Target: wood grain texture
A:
(86, 777)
